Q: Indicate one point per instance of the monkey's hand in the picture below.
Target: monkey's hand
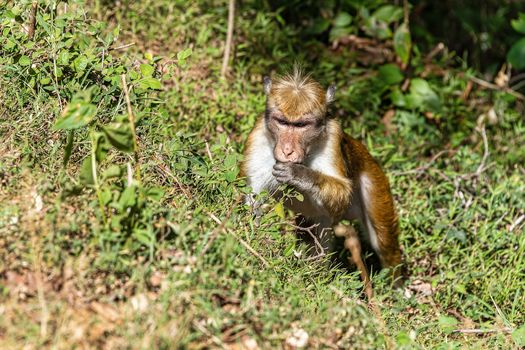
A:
(296, 175)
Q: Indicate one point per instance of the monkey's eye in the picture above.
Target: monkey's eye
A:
(301, 124)
(281, 121)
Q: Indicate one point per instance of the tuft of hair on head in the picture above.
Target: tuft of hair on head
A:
(297, 94)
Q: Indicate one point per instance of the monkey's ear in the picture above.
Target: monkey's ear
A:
(330, 94)
(267, 85)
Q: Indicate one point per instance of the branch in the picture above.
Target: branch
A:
(229, 37)
(32, 20)
(488, 85)
(481, 331)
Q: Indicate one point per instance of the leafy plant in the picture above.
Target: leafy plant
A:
(516, 54)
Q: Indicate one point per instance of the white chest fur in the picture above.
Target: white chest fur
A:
(260, 161)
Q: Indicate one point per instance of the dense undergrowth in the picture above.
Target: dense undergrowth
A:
(124, 227)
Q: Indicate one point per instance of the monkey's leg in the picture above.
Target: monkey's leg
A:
(381, 223)
(353, 244)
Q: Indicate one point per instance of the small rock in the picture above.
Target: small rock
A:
(249, 343)
(298, 339)
(139, 303)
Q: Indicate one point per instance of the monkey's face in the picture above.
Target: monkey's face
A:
(294, 138)
(295, 115)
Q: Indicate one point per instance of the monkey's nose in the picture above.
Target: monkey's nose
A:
(290, 155)
(287, 150)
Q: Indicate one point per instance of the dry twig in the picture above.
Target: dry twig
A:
(481, 331)
(229, 37)
(131, 118)
(492, 86)
(242, 241)
(32, 20)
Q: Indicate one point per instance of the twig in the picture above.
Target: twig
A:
(208, 150)
(203, 329)
(319, 248)
(486, 153)
(121, 47)
(131, 119)
(229, 37)
(481, 331)
(437, 49)
(219, 228)
(242, 241)
(406, 12)
(167, 171)
(516, 223)
(481, 167)
(32, 20)
(492, 86)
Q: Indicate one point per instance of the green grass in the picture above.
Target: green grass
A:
(178, 260)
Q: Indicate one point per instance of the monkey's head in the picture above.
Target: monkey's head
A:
(295, 116)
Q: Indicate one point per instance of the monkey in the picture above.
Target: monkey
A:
(297, 143)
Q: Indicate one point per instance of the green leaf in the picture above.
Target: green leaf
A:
(24, 60)
(319, 25)
(516, 54)
(119, 136)
(86, 172)
(128, 197)
(343, 19)
(230, 176)
(68, 148)
(388, 13)
(457, 234)
(143, 236)
(397, 97)
(112, 171)
(447, 323)
(390, 74)
(105, 196)
(63, 58)
(102, 146)
(146, 70)
(289, 250)
(403, 339)
(519, 24)
(377, 28)
(150, 83)
(183, 55)
(402, 42)
(519, 336)
(155, 193)
(279, 210)
(76, 115)
(422, 94)
(230, 161)
(80, 63)
(336, 32)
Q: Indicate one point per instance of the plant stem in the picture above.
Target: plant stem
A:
(131, 119)
(95, 179)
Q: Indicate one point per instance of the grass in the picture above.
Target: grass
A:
(174, 258)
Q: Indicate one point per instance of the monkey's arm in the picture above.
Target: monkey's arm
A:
(334, 194)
